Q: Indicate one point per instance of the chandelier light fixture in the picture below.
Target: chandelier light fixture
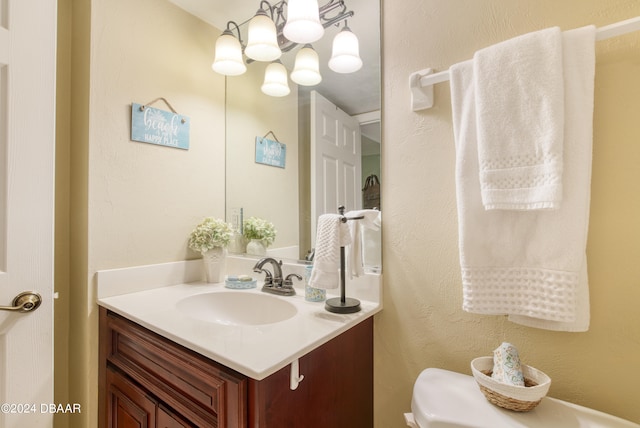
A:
(281, 27)
(228, 58)
(345, 55)
(303, 22)
(275, 80)
(262, 43)
(306, 70)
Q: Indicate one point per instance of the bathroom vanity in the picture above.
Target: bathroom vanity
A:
(163, 365)
(149, 381)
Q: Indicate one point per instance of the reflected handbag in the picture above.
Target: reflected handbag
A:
(371, 192)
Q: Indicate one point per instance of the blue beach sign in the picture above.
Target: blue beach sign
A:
(155, 126)
(269, 152)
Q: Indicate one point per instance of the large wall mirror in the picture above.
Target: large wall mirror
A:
(287, 193)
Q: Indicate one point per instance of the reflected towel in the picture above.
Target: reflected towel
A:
(530, 265)
(371, 220)
(372, 246)
(520, 121)
(332, 233)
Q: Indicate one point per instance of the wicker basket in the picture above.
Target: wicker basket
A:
(516, 398)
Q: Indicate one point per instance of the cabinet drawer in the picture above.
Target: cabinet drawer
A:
(202, 390)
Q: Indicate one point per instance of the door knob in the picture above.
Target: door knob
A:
(26, 301)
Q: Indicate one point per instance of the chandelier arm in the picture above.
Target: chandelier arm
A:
(237, 29)
(337, 19)
(333, 4)
(280, 19)
(268, 7)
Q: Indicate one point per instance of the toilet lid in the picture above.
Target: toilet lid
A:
(446, 399)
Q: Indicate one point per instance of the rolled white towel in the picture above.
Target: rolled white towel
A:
(506, 365)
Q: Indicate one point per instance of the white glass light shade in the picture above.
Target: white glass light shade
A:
(345, 56)
(303, 21)
(306, 70)
(228, 56)
(275, 80)
(262, 44)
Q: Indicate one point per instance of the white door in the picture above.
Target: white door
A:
(27, 111)
(336, 158)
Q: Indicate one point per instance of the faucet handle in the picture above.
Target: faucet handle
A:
(288, 281)
(268, 279)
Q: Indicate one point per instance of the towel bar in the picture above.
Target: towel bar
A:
(421, 82)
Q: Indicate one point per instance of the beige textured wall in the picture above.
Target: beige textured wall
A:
(262, 191)
(422, 324)
(142, 200)
(62, 208)
(72, 327)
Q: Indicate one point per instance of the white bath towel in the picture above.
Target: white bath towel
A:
(331, 234)
(530, 265)
(579, 71)
(370, 220)
(520, 121)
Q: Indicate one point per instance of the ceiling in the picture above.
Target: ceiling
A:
(354, 93)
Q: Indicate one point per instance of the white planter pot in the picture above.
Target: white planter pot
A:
(256, 247)
(214, 262)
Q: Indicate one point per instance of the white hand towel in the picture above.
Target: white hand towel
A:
(369, 220)
(332, 233)
(528, 264)
(520, 121)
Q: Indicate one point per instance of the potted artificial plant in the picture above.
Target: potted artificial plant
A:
(260, 234)
(210, 238)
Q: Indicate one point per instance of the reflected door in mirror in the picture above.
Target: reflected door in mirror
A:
(335, 159)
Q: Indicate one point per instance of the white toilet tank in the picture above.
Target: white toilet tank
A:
(444, 399)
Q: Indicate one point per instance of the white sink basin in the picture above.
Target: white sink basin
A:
(237, 308)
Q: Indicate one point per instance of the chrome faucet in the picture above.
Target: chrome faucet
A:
(276, 279)
(274, 283)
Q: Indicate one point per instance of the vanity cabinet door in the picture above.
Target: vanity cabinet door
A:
(129, 406)
(198, 391)
(336, 392)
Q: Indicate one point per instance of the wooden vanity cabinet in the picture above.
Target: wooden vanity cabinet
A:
(149, 381)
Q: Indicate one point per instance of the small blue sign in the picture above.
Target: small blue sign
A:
(155, 126)
(270, 152)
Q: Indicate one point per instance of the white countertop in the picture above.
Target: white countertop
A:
(256, 351)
